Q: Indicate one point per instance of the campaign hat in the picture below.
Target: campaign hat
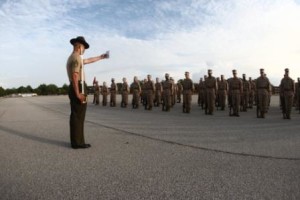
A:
(81, 40)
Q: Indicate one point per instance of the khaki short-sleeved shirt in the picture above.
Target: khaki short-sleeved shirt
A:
(210, 82)
(74, 64)
(263, 83)
(223, 85)
(235, 85)
(187, 84)
(287, 84)
(135, 86)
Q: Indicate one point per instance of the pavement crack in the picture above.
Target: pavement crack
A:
(172, 142)
(192, 146)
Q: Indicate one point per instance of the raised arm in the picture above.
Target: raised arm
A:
(94, 59)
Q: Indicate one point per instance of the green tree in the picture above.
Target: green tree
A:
(29, 89)
(41, 89)
(22, 90)
(11, 91)
(52, 89)
(63, 90)
(2, 91)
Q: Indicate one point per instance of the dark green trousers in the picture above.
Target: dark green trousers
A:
(77, 118)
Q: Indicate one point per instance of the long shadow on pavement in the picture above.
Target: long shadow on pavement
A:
(34, 138)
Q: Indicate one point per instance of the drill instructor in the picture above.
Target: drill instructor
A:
(77, 98)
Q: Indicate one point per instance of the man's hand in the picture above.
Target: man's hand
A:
(81, 97)
(104, 56)
(97, 58)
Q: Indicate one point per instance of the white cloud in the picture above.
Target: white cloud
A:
(165, 36)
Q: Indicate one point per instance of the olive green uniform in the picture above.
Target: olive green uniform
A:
(173, 97)
(104, 92)
(245, 95)
(297, 87)
(262, 88)
(252, 94)
(167, 91)
(78, 109)
(158, 92)
(125, 91)
(188, 88)
(211, 88)
(97, 94)
(287, 89)
(201, 95)
(235, 90)
(136, 90)
(205, 96)
(295, 101)
(94, 88)
(113, 94)
(150, 91)
(222, 93)
(179, 92)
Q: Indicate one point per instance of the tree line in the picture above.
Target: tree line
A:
(52, 89)
(45, 89)
(42, 89)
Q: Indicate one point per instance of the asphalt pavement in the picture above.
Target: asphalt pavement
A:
(140, 154)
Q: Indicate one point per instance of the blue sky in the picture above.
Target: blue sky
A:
(148, 37)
